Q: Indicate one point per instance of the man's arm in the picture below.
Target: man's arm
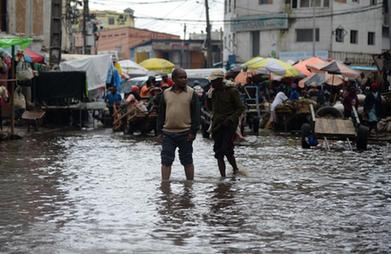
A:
(238, 106)
(195, 114)
(161, 115)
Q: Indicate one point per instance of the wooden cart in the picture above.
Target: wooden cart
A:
(329, 127)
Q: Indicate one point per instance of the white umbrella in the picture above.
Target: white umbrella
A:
(132, 68)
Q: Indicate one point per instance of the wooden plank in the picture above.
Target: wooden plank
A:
(33, 115)
(326, 126)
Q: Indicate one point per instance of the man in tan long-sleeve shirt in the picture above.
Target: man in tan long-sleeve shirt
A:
(177, 124)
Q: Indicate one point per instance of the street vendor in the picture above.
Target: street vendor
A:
(226, 108)
(134, 99)
(278, 100)
(112, 98)
(147, 87)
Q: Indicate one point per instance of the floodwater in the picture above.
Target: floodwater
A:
(99, 192)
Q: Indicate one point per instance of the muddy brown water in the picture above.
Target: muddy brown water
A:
(99, 192)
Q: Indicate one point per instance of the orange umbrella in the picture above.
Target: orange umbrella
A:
(241, 78)
(302, 65)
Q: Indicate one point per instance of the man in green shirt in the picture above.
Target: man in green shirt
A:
(226, 108)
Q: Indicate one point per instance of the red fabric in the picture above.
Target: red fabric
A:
(35, 57)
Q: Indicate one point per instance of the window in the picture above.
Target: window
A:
(294, 4)
(316, 3)
(111, 20)
(305, 35)
(353, 36)
(255, 43)
(234, 4)
(304, 3)
(371, 38)
(373, 2)
(326, 3)
(225, 6)
(339, 34)
(229, 6)
(265, 1)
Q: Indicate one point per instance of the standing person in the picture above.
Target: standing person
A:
(177, 124)
(372, 106)
(350, 100)
(226, 108)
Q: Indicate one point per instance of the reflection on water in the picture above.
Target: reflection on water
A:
(99, 192)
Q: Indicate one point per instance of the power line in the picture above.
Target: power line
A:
(351, 11)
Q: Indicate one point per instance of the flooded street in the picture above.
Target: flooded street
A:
(99, 192)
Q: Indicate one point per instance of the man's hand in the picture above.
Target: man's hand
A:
(159, 138)
(190, 137)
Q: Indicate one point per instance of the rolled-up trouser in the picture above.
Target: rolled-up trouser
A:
(224, 141)
(173, 140)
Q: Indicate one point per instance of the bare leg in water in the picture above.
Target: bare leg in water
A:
(189, 171)
(221, 164)
(231, 159)
(166, 172)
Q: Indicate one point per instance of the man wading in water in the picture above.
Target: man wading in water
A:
(226, 109)
(177, 124)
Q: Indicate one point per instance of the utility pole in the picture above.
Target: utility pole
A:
(313, 28)
(55, 32)
(183, 58)
(208, 37)
(389, 20)
(86, 18)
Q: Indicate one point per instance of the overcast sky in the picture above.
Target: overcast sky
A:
(186, 11)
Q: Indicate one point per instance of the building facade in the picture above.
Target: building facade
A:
(189, 54)
(347, 30)
(121, 40)
(113, 19)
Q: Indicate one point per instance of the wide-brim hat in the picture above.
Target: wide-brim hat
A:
(216, 74)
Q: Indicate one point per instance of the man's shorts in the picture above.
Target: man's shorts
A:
(173, 140)
(223, 141)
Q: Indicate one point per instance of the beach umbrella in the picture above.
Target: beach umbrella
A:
(321, 78)
(34, 56)
(275, 66)
(250, 63)
(336, 67)
(233, 72)
(158, 64)
(302, 65)
(241, 78)
(132, 68)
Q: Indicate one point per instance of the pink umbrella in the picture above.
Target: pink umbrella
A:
(302, 65)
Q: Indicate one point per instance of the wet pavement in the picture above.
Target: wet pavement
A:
(99, 192)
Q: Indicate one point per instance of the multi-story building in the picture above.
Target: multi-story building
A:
(189, 54)
(347, 30)
(121, 40)
(113, 19)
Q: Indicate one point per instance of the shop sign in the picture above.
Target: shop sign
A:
(260, 22)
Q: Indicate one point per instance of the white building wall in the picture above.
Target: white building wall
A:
(327, 20)
(363, 22)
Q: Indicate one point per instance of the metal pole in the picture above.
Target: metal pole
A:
(208, 37)
(85, 17)
(183, 47)
(13, 91)
(313, 28)
(389, 20)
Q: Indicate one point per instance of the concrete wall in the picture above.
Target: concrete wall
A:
(278, 40)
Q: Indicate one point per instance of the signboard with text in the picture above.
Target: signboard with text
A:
(260, 22)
